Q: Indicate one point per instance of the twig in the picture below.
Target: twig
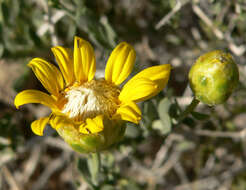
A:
(207, 21)
(162, 171)
(181, 173)
(151, 54)
(197, 36)
(50, 169)
(10, 179)
(162, 153)
(5, 158)
(31, 164)
(209, 183)
(223, 12)
(58, 143)
(209, 165)
(213, 182)
(226, 185)
(235, 135)
(166, 18)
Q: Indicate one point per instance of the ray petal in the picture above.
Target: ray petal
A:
(146, 84)
(84, 60)
(50, 77)
(34, 96)
(64, 58)
(94, 125)
(120, 63)
(129, 112)
(39, 125)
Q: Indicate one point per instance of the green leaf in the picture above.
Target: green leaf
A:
(82, 167)
(1, 50)
(54, 3)
(132, 131)
(189, 121)
(158, 125)
(126, 184)
(107, 187)
(185, 145)
(149, 109)
(164, 106)
(164, 124)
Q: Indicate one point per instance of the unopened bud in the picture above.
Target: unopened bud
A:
(213, 77)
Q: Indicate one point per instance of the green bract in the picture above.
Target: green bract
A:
(213, 77)
(113, 132)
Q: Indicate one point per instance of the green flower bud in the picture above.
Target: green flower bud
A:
(213, 77)
(113, 132)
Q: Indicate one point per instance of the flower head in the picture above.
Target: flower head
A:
(90, 113)
(213, 77)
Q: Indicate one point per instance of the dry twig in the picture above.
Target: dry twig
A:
(166, 18)
(207, 21)
(162, 153)
(12, 182)
(51, 168)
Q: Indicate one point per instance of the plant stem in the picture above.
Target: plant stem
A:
(97, 159)
(95, 167)
(188, 109)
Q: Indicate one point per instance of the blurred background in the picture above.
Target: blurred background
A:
(206, 152)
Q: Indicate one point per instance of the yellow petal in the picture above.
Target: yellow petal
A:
(84, 60)
(39, 125)
(57, 121)
(64, 58)
(34, 96)
(48, 75)
(140, 90)
(129, 112)
(94, 125)
(159, 76)
(120, 63)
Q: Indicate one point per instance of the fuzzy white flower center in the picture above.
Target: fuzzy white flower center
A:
(91, 99)
(81, 101)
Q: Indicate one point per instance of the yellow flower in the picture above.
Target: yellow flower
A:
(90, 113)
